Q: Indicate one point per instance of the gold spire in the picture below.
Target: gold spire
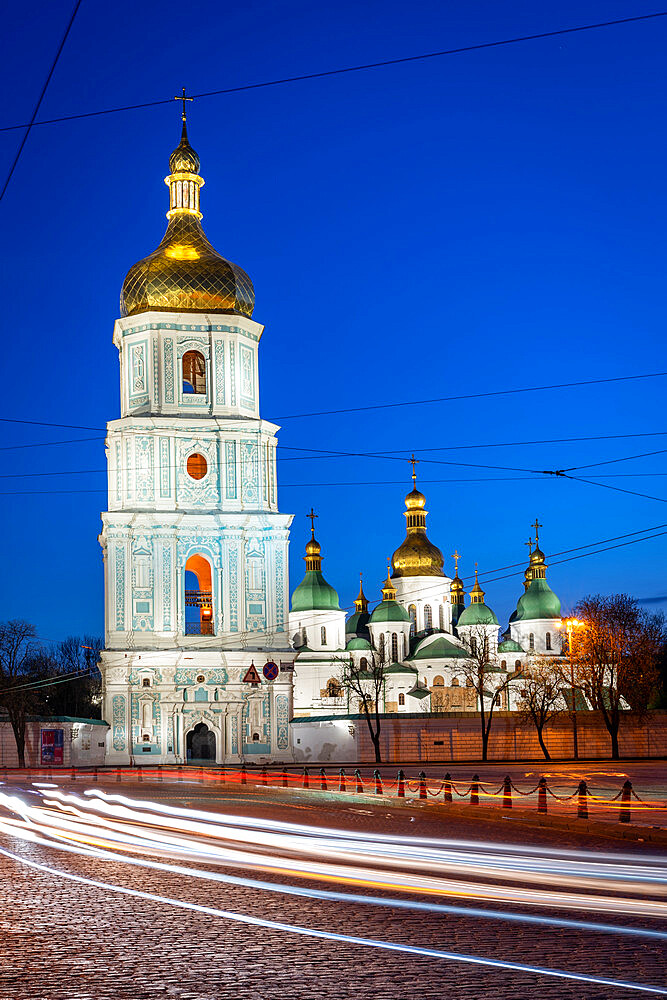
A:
(313, 548)
(361, 603)
(476, 594)
(389, 590)
(537, 563)
(185, 273)
(417, 556)
(456, 587)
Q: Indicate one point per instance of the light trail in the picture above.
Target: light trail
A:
(291, 854)
(333, 936)
(88, 825)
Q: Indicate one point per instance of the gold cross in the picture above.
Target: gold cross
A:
(415, 461)
(537, 527)
(184, 99)
(312, 517)
(456, 557)
(529, 543)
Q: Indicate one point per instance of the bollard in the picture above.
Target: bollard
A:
(118, 775)
(284, 779)
(265, 780)
(159, 772)
(341, 783)
(95, 774)
(507, 792)
(73, 778)
(542, 795)
(360, 787)
(474, 790)
(243, 774)
(582, 801)
(139, 774)
(201, 775)
(448, 787)
(180, 773)
(323, 780)
(422, 784)
(400, 791)
(305, 778)
(378, 782)
(624, 816)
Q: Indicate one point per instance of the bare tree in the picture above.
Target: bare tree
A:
(617, 656)
(541, 698)
(81, 695)
(17, 669)
(488, 682)
(366, 683)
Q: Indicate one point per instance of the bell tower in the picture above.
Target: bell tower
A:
(195, 547)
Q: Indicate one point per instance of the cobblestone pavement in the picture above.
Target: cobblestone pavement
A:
(62, 940)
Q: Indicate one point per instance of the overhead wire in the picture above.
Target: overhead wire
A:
(350, 69)
(29, 126)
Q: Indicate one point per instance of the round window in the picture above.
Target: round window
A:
(197, 466)
(200, 678)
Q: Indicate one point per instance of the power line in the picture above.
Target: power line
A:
(350, 69)
(618, 489)
(472, 395)
(30, 124)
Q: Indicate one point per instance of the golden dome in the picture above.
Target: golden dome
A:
(537, 557)
(417, 556)
(313, 547)
(185, 273)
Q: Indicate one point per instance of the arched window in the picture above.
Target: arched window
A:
(428, 617)
(405, 645)
(146, 682)
(531, 641)
(323, 636)
(198, 597)
(381, 647)
(394, 647)
(503, 664)
(412, 611)
(194, 373)
(548, 640)
(363, 663)
(469, 682)
(441, 616)
(334, 690)
(473, 644)
(455, 682)
(438, 681)
(401, 699)
(517, 664)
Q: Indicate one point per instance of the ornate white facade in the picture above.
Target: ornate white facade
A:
(197, 663)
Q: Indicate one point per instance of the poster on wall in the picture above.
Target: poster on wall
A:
(52, 746)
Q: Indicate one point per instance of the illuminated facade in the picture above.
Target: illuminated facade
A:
(422, 632)
(197, 663)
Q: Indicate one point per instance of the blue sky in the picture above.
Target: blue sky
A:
(477, 222)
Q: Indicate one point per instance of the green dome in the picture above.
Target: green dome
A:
(438, 649)
(539, 601)
(357, 624)
(510, 646)
(358, 642)
(314, 594)
(477, 614)
(389, 611)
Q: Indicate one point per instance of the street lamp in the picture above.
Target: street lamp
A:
(570, 624)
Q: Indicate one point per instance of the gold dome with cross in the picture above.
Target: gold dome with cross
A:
(185, 273)
(416, 556)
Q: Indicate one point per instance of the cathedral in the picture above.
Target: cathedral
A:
(203, 658)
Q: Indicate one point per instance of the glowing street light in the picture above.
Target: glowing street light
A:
(570, 625)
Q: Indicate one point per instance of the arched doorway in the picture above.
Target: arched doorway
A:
(200, 743)
(198, 597)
